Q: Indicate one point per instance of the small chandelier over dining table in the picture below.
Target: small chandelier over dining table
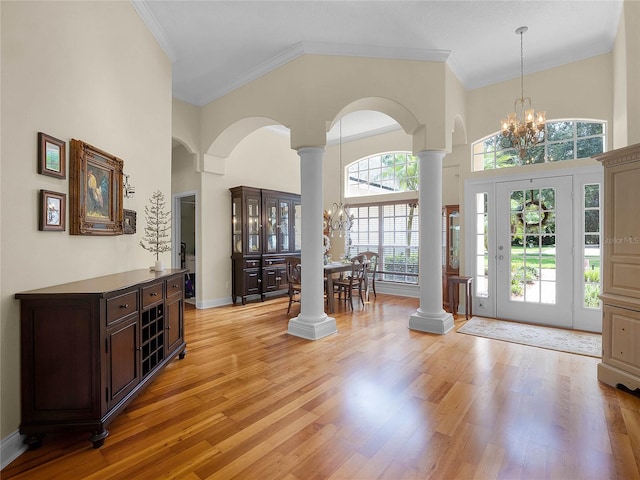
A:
(523, 128)
(340, 219)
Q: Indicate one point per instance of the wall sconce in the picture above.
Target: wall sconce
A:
(129, 190)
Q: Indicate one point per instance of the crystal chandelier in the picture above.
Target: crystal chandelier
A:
(523, 128)
(340, 218)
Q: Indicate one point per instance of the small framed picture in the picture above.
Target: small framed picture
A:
(52, 158)
(52, 210)
(129, 222)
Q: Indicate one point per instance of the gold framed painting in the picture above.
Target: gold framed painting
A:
(95, 190)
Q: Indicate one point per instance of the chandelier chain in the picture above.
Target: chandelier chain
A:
(521, 64)
(340, 218)
(524, 128)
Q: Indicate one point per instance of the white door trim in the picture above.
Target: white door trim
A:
(587, 319)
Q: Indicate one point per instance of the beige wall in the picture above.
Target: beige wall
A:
(84, 70)
(309, 93)
(264, 160)
(626, 74)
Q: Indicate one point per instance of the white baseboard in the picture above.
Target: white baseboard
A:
(216, 302)
(11, 447)
(400, 289)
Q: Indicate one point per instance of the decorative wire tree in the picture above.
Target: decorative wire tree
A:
(156, 233)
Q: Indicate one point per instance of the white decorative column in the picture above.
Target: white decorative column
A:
(430, 316)
(312, 323)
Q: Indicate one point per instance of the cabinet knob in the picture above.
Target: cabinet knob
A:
(154, 294)
(175, 285)
(126, 305)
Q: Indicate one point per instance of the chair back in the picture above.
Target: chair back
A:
(372, 262)
(294, 272)
(358, 268)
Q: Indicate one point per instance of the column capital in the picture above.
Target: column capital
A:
(307, 151)
(426, 154)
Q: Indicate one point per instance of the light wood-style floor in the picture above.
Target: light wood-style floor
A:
(375, 401)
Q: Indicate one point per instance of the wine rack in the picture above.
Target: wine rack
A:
(152, 338)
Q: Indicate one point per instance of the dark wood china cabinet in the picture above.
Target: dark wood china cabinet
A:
(265, 229)
(450, 248)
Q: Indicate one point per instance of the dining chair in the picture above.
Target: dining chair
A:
(294, 279)
(354, 281)
(371, 271)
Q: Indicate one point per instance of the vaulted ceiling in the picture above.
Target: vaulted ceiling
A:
(216, 46)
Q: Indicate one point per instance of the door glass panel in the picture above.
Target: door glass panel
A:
(533, 249)
(236, 225)
(253, 224)
(284, 226)
(297, 223)
(591, 247)
(271, 226)
(482, 242)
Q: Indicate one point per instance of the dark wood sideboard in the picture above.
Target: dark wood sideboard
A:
(89, 347)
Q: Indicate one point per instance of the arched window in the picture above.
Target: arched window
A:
(383, 173)
(565, 140)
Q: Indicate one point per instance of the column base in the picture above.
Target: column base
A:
(440, 323)
(312, 330)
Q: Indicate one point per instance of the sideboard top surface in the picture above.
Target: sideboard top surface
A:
(102, 285)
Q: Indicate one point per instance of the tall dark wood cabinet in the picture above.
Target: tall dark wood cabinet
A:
(450, 248)
(620, 269)
(89, 347)
(265, 230)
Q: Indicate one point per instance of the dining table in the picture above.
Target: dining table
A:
(329, 270)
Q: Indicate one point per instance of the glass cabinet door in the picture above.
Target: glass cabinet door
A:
(236, 225)
(271, 225)
(297, 224)
(454, 239)
(253, 224)
(284, 226)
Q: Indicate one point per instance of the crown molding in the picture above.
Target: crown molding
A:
(153, 25)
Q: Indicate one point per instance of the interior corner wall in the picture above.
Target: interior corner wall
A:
(619, 93)
(90, 71)
(632, 70)
(185, 125)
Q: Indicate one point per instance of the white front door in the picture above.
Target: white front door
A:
(534, 254)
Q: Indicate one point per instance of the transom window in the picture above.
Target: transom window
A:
(565, 140)
(383, 173)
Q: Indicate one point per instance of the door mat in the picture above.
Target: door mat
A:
(571, 341)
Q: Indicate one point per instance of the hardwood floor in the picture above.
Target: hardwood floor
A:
(374, 401)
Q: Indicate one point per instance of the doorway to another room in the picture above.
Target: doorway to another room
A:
(184, 241)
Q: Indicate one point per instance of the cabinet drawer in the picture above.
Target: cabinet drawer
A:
(251, 263)
(121, 306)
(152, 294)
(273, 261)
(174, 286)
